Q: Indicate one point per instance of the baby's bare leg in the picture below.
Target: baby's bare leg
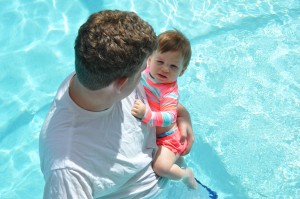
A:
(181, 162)
(164, 165)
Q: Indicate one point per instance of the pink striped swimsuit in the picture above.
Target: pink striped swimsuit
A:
(163, 101)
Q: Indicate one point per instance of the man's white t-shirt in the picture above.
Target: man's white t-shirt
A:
(103, 154)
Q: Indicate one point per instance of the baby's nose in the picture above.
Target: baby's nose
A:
(165, 69)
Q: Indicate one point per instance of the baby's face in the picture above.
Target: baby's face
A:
(166, 67)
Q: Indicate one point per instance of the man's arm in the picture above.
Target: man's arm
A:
(185, 125)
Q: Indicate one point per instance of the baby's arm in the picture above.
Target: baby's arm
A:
(139, 109)
(185, 125)
(164, 118)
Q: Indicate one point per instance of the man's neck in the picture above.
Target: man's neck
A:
(89, 100)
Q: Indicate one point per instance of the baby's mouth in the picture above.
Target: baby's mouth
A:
(162, 76)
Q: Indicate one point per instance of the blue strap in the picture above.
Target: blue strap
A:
(212, 194)
(162, 135)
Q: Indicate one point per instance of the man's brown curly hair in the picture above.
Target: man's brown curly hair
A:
(111, 44)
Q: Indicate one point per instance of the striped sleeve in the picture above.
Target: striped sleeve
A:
(167, 114)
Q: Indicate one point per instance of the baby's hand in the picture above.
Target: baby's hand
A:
(139, 108)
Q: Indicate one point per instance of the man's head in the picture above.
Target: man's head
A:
(111, 45)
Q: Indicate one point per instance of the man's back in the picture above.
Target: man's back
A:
(112, 161)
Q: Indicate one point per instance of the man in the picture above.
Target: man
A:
(90, 144)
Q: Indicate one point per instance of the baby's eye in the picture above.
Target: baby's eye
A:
(174, 66)
(160, 62)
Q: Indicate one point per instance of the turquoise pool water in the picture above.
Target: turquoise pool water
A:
(242, 88)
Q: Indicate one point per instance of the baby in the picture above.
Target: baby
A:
(165, 65)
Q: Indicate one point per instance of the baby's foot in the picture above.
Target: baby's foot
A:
(189, 179)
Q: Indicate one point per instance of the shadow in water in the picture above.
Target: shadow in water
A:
(211, 164)
(92, 5)
(250, 23)
(18, 122)
(21, 120)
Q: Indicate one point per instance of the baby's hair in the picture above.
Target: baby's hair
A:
(174, 40)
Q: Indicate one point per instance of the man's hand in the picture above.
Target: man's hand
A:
(139, 109)
(185, 126)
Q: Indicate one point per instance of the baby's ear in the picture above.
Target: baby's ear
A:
(148, 60)
(183, 70)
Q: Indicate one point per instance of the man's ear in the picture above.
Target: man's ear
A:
(121, 83)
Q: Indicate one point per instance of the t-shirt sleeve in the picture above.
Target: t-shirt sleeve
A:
(67, 184)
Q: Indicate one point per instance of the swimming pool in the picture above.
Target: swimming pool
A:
(242, 88)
